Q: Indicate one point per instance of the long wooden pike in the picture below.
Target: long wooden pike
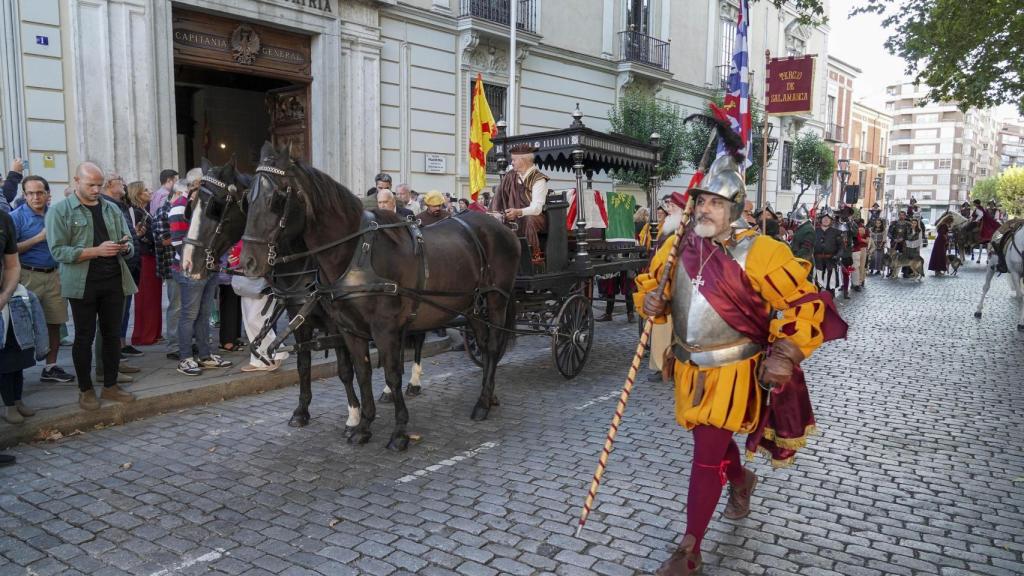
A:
(645, 336)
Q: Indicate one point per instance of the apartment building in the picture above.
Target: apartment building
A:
(839, 119)
(869, 138)
(937, 151)
(1011, 144)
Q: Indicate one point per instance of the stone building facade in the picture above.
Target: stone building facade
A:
(357, 86)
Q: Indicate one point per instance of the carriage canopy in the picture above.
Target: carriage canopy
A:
(601, 152)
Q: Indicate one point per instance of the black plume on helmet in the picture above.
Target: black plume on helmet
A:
(732, 140)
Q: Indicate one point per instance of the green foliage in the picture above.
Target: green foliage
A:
(813, 161)
(638, 115)
(695, 139)
(985, 190)
(971, 53)
(1011, 191)
(810, 12)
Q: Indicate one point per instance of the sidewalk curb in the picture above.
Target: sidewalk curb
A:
(68, 419)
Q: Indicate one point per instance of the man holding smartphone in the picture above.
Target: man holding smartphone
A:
(90, 239)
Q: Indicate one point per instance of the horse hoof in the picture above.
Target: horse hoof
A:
(479, 413)
(411, 390)
(360, 437)
(298, 420)
(494, 401)
(386, 398)
(399, 443)
(349, 431)
(977, 314)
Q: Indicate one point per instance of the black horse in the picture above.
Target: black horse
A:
(217, 223)
(386, 276)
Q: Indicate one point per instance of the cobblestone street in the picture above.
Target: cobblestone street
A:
(919, 469)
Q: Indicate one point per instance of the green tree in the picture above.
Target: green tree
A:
(1011, 191)
(695, 139)
(971, 53)
(813, 162)
(638, 114)
(985, 190)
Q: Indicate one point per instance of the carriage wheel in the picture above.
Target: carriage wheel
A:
(570, 344)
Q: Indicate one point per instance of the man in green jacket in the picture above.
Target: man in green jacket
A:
(90, 239)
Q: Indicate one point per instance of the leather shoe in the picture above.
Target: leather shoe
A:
(128, 368)
(24, 410)
(116, 394)
(604, 318)
(87, 400)
(738, 505)
(685, 561)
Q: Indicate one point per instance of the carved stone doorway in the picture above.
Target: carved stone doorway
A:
(238, 84)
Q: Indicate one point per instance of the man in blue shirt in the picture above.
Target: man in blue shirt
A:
(39, 271)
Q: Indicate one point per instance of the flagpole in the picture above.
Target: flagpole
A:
(513, 9)
(762, 188)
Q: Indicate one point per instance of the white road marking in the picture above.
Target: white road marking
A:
(208, 557)
(447, 462)
(599, 399)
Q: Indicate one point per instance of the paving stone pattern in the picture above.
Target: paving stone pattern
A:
(918, 470)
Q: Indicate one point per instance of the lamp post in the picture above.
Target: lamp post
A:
(880, 192)
(653, 182)
(844, 174)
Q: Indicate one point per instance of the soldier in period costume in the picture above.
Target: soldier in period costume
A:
(899, 231)
(743, 317)
(875, 213)
(848, 234)
(434, 211)
(521, 196)
(802, 243)
(876, 245)
(828, 247)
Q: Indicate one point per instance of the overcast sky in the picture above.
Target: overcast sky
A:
(860, 41)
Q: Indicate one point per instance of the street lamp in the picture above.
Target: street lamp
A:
(844, 174)
(653, 182)
(879, 192)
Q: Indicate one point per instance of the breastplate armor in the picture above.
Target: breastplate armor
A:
(696, 325)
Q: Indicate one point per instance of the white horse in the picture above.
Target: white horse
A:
(1013, 254)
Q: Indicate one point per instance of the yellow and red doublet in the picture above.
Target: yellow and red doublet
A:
(728, 396)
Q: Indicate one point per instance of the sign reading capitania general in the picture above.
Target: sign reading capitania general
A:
(319, 5)
(790, 85)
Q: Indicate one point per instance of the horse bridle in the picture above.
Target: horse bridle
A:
(211, 263)
(282, 222)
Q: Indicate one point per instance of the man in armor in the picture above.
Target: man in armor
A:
(802, 243)
(521, 196)
(743, 317)
(848, 233)
(828, 246)
(875, 213)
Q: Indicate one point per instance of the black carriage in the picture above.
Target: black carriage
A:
(554, 298)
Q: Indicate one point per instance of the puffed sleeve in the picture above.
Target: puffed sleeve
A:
(781, 279)
(648, 281)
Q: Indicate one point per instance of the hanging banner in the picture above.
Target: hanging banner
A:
(790, 85)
